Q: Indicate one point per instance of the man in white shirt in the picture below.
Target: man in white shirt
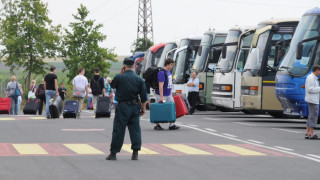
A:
(193, 91)
(80, 89)
(312, 99)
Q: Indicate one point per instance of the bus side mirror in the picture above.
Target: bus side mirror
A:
(299, 51)
(224, 52)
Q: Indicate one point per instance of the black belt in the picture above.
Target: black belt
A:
(129, 102)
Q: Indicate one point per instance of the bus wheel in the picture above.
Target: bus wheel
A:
(247, 112)
(210, 107)
(201, 108)
(277, 115)
(223, 109)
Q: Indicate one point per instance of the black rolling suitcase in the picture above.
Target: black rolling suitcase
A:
(103, 107)
(31, 106)
(70, 109)
(55, 107)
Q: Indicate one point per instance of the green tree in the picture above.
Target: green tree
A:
(28, 36)
(141, 45)
(81, 46)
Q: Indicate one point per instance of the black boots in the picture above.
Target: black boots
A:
(112, 157)
(134, 155)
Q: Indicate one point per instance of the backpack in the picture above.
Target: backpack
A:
(40, 91)
(150, 76)
(96, 87)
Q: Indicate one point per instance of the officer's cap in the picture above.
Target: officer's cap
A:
(128, 61)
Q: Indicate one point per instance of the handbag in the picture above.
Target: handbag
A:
(31, 94)
(17, 91)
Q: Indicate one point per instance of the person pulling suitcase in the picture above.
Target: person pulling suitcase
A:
(80, 89)
(129, 88)
(163, 94)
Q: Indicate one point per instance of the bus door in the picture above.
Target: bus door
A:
(269, 69)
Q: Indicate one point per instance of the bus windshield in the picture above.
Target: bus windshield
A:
(184, 42)
(255, 57)
(308, 27)
(244, 51)
(225, 64)
(203, 52)
(168, 47)
(184, 62)
(150, 56)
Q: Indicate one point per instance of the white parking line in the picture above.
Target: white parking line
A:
(255, 144)
(230, 135)
(192, 125)
(208, 129)
(212, 119)
(258, 142)
(298, 132)
(315, 156)
(247, 124)
(283, 148)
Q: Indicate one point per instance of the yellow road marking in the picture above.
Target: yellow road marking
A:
(269, 81)
(127, 147)
(83, 149)
(29, 149)
(37, 118)
(239, 150)
(6, 119)
(186, 149)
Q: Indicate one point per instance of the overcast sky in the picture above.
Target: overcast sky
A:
(175, 18)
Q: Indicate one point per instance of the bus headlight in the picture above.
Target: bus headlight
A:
(249, 90)
(253, 90)
(222, 88)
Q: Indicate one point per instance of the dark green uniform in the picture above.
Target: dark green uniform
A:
(129, 88)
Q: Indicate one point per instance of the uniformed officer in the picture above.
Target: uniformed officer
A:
(129, 88)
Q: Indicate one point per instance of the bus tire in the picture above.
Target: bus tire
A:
(201, 108)
(276, 114)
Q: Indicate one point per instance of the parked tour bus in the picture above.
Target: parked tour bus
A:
(205, 62)
(184, 58)
(227, 77)
(296, 66)
(152, 56)
(258, 75)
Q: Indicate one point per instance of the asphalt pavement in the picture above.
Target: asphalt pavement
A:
(209, 145)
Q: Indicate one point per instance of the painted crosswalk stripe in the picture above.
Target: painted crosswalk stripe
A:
(238, 150)
(34, 149)
(6, 119)
(186, 149)
(127, 147)
(37, 118)
(83, 149)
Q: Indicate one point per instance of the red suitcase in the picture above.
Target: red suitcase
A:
(5, 105)
(181, 108)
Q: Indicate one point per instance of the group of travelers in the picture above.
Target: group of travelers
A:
(49, 88)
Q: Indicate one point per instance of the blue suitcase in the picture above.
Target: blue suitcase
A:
(70, 109)
(162, 112)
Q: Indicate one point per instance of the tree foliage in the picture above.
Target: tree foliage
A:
(27, 36)
(141, 45)
(81, 46)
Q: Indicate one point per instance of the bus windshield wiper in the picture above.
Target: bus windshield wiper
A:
(220, 70)
(250, 70)
(288, 69)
